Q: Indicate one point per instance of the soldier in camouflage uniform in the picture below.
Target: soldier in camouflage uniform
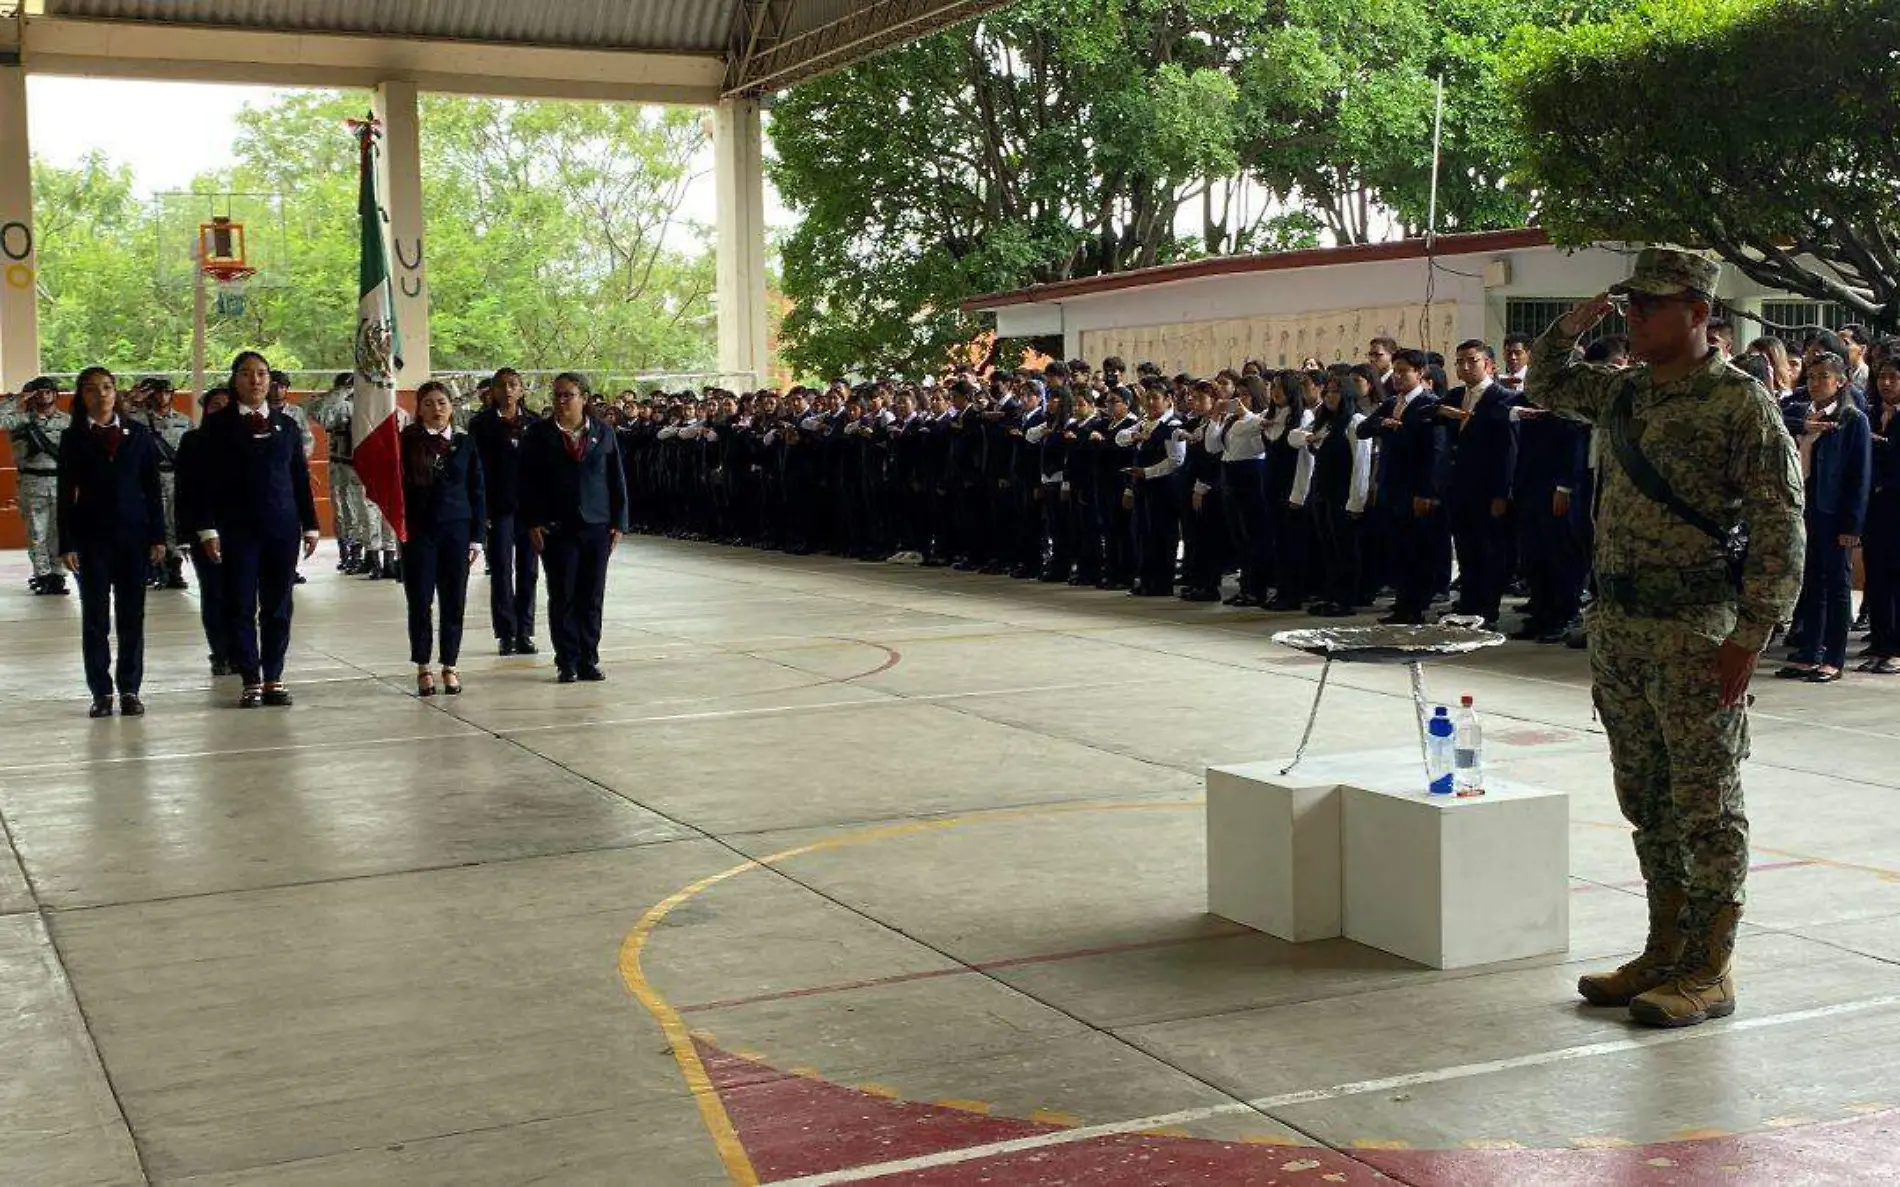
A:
(152, 404)
(335, 410)
(33, 423)
(1673, 640)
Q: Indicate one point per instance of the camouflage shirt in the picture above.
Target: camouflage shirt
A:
(1718, 439)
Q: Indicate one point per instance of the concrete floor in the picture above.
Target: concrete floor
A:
(858, 873)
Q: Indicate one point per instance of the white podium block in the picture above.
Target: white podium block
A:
(1273, 851)
(1452, 882)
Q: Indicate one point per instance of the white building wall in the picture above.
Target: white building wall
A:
(1328, 311)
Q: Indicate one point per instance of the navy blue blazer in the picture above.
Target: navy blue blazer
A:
(1412, 457)
(1483, 447)
(1886, 452)
(256, 486)
(559, 492)
(1840, 471)
(108, 498)
(456, 495)
(501, 457)
(1552, 451)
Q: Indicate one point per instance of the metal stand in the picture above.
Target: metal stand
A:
(1311, 717)
(1420, 714)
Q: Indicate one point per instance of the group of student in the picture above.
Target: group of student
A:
(1321, 489)
(245, 511)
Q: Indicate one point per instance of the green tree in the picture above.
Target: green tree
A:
(1066, 138)
(555, 239)
(1681, 122)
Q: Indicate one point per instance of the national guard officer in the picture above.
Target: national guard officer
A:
(34, 423)
(356, 528)
(152, 406)
(1694, 450)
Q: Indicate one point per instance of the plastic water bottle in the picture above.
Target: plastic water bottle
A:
(1468, 751)
(1439, 747)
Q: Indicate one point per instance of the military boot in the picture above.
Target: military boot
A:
(1703, 986)
(1656, 964)
(175, 573)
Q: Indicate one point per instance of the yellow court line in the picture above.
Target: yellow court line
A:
(679, 1038)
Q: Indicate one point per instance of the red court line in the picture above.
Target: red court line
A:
(960, 970)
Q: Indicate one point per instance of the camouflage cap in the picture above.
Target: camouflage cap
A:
(1670, 272)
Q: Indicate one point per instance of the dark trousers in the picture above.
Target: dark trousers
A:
(1206, 533)
(1481, 539)
(1085, 531)
(1118, 536)
(1057, 523)
(435, 566)
(576, 562)
(1157, 535)
(1244, 500)
(211, 610)
(511, 579)
(259, 573)
(1335, 551)
(1880, 546)
(1553, 554)
(1418, 542)
(112, 584)
(1826, 609)
(1293, 565)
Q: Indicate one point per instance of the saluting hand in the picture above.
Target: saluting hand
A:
(1586, 314)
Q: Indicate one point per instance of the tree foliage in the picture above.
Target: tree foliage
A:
(1066, 138)
(555, 239)
(1682, 121)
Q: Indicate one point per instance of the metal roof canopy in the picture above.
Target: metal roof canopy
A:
(666, 51)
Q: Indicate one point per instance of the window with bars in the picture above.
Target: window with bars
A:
(1799, 315)
(1533, 315)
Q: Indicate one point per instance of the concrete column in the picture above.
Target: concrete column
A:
(399, 183)
(19, 254)
(739, 177)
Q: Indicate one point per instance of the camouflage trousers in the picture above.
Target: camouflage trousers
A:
(1676, 755)
(168, 493)
(39, 507)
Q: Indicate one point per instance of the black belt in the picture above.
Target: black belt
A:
(39, 473)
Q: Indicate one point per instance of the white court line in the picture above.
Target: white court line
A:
(1268, 1103)
(886, 701)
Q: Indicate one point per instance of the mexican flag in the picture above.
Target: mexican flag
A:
(375, 422)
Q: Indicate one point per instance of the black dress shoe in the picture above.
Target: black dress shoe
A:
(299, 579)
(1200, 595)
(101, 707)
(131, 706)
(251, 697)
(590, 673)
(1284, 605)
(525, 646)
(277, 698)
(220, 667)
(564, 675)
(1822, 676)
(507, 646)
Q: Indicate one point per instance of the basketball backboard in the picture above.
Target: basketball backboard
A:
(181, 215)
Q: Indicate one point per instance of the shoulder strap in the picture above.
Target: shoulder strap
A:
(1644, 475)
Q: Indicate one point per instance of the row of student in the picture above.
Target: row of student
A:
(1318, 486)
(1066, 476)
(245, 506)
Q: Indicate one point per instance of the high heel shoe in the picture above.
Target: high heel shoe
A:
(425, 684)
(451, 682)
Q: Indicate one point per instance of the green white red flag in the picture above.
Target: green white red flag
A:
(375, 421)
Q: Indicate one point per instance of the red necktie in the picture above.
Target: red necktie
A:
(109, 436)
(260, 424)
(576, 443)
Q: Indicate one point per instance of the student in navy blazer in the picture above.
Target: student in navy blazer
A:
(1837, 453)
(190, 500)
(256, 513)
(574, 500)
(512, 579)
(1483, 461)
(111, 518)
(444, 509)
(1411, 478)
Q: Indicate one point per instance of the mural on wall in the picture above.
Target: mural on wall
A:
(1278, 341)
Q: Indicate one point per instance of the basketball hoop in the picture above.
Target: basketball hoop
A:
(229, 286)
